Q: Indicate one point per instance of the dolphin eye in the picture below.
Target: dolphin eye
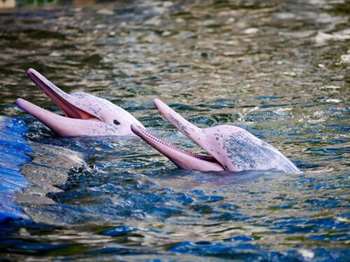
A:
(116, 122)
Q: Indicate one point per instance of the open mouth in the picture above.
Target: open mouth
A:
(78, 120)
(64, 101)
(182, 158)
(84, 114)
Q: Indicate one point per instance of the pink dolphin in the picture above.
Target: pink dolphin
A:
(229, 147)
(85, 115)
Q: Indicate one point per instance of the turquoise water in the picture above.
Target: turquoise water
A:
(279, 69)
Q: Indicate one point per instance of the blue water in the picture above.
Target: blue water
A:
(13, 154)
(276, 68)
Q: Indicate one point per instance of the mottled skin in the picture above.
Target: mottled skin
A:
(229, 147)
(85, 115)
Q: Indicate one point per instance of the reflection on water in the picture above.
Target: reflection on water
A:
(276, 68)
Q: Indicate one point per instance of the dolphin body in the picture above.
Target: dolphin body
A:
(229, 147)
(85, 114)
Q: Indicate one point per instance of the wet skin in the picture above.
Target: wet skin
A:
(229, 147)
(85, 114)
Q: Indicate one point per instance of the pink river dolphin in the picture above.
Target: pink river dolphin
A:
(85, 114)
(229, 147)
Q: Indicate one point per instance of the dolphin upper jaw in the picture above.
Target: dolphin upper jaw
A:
(64, 101)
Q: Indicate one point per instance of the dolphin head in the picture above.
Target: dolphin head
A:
(229, 147)
(85, 114)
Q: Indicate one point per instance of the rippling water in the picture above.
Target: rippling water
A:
(277, 68)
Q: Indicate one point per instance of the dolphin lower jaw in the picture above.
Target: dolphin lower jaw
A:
(61, 125)
(181, 158)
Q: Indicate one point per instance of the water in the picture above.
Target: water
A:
(279, 69)
(13, 154)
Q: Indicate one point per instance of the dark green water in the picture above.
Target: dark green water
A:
(277, 68)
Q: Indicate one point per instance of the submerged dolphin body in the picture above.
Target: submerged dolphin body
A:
(85, 115)
(229, 147)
